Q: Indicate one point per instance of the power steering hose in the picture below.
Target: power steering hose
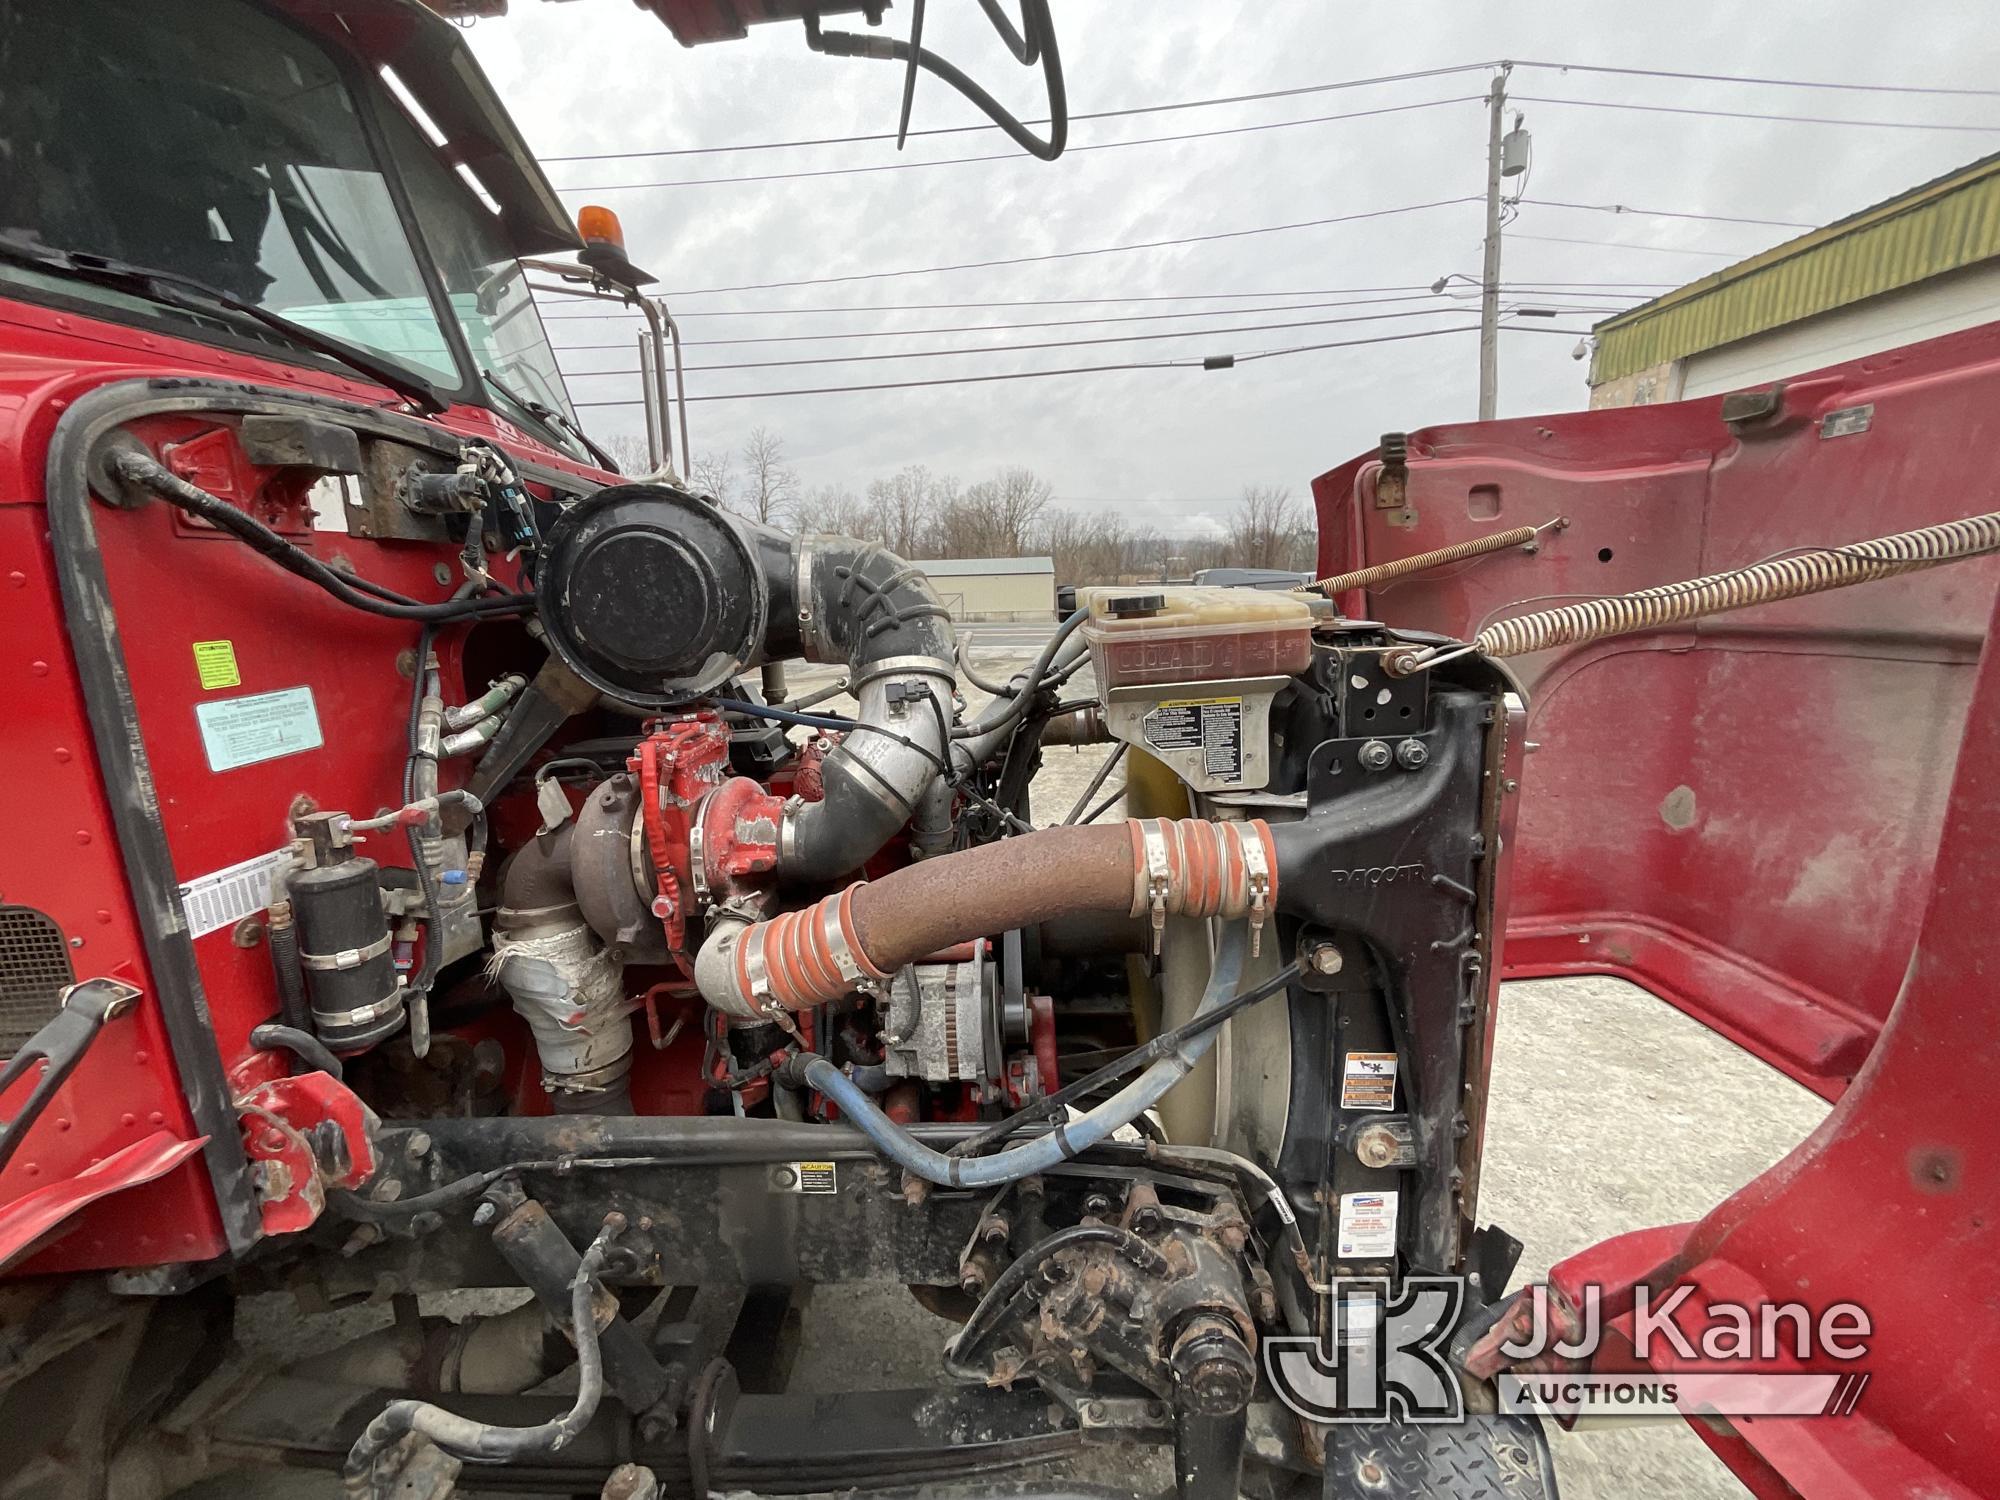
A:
(1066, 1140)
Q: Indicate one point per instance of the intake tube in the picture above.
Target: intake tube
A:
(856, 938)
(862, 605)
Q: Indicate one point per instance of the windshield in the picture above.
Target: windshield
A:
(211, 139)
(483, 284)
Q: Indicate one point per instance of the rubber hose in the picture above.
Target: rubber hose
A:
(301, 1043)
(463, 1437)
(1066, 1140)
(292, 1003)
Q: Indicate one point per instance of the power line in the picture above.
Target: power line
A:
(1318, 88)
(1102, 114)
(1160, 364)
(1745, 114)
(1244, 359)
(1776, 83)
(1203, 135)
(1029, 260)
(1559, 239)
(625, 345)
(1124, 338)
(1576, 288)
(960, 161)
(1665, 213)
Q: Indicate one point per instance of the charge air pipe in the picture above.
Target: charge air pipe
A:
(1066, 1140)
(857, 937)
(864, 606)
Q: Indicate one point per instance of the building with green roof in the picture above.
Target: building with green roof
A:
(1923, 263)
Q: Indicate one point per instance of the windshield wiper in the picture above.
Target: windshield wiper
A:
(552, 421)
(188, 292)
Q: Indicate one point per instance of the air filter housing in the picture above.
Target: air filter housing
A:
(652, 595)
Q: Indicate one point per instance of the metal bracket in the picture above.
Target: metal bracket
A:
(60, 1046)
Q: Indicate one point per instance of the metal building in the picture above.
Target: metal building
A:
(1921, 264)
(994, 588)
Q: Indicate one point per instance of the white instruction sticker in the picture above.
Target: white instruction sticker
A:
(1214, 726)
(243, 731)
(227, 896)
(1367, 1226)
(1369, 1081)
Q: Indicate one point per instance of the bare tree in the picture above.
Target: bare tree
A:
(830, 508)
(630, 451)
(1087, 548)
(768, 485)
(905, 509)
(998, 516)
(711, 475)
(1268, 530)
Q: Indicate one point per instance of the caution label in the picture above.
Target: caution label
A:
(1367, 1226)
(815, 1177)
(215, 665)
(1368, 1081)
(1214, 726)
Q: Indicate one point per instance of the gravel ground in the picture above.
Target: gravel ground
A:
(1611, 1112)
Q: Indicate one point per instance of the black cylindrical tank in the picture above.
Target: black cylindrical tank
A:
(351, 979)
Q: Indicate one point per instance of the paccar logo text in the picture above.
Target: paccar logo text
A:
(1377, 875)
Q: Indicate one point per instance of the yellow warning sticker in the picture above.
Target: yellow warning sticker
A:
(816, 1177)
(1369, 1081)
(215, 665)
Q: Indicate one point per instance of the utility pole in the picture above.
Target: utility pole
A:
(1489, 275)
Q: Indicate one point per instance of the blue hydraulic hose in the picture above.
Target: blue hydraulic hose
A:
(1066, 1140)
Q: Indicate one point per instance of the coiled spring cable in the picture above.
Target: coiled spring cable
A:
(1811, 571)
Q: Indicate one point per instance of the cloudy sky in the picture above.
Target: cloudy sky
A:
(1174, 446)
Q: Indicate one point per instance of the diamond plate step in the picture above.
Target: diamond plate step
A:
(1487, 1457)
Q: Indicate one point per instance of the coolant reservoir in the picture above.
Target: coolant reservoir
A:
(1188, 674)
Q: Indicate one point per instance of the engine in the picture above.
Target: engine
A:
(696, 877)
(661, 973)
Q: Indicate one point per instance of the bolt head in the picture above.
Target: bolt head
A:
(1375, 755)
(1412, 755)
(485, 1214)
(1375, 1148)
(1326, 959)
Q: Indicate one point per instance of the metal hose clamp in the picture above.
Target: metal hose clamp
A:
(346, 958)
(763, 999)
(833, 928)
(1155, 881)
(361, 1015)
(1258, 873)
